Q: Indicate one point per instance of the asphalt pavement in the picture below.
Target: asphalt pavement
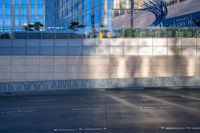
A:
(109, 111)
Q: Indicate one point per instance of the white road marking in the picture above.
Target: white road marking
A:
(65, 130)
(81, 109)
(122, 101)
(170, 103)
(18, 111)
(191, 97)
(94, 129)
(180, 128)
(147, 107)
(174, 128)
(95, 108)
(78, 129)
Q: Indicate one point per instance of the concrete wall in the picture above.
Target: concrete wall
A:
(47, 60)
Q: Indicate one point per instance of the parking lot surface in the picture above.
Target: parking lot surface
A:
(109, 111)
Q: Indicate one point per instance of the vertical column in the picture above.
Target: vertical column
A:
(20, 14)
(28, 11)
(106, 13)
(3, 16)
(44, 13)
(12, 8)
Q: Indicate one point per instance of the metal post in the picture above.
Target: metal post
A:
(132, 11)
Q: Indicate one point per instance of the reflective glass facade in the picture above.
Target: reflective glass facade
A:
(68, 11)
(14, 14)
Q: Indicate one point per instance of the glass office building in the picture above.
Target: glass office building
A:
(81, 11)
(15, 14)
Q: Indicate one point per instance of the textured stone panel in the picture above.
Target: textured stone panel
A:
(89, 50)
(18, 60)
(103, 42)
(131, 50)
(145, 42)
(97, 61)
(5, 69)
(74, 61)
(89, 42)
(198, 41)
(74, 51)
(60, 75)
(73, 69)
(32, 60)
(5, 50)
(198, 50)
(117, 42)
(174, 50)
(189, 41)
(174, 42)
(34, 76)
(5, 60)
(159, 50)
(18, 69)
(5, 43)
(134, 42)
(60, 69)
(47, 42)
(19, 43)
(33, 69)
(159, 42)
(5, 76)
(33, 42)
(189, 50)
(46, 76)
(102, 51)
(60, 61)
(116, 51)
(47, 50)
(61, 51)
(33, 50)
(75, 42)
(18, 76)
(61, 42)
(46, 61)
(47, 69)
(18, 50)
(93, 69)
(145, 50)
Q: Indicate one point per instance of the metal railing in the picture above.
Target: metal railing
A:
(111, 33)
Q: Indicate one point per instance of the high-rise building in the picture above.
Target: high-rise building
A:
(181, 13)
(91, 13)
(15, 14)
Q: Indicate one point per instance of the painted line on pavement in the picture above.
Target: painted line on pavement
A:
(155, 107)
(78, 129)
(94, 129)
(18, 111)
(180, 128)
(141, 107)
(82, 109)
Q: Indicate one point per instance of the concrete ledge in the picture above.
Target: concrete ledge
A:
(93, 84)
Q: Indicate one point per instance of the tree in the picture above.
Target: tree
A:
(34, 27)
(38, 26)
(75, 25)
(158, 8)
(196, 21)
